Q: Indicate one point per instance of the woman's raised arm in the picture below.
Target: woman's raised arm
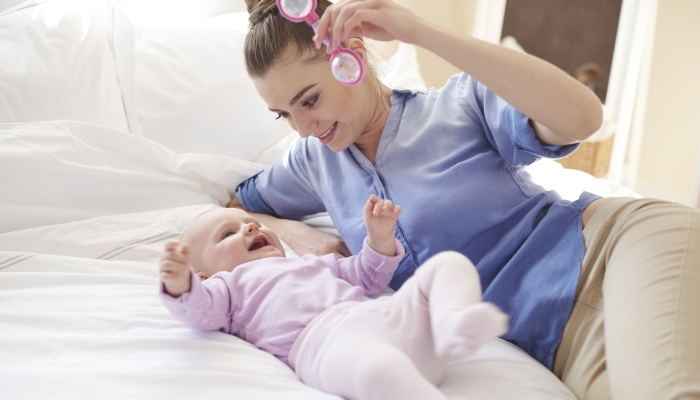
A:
(562, 109)
(302, 238)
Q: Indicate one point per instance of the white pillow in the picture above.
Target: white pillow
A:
(194, 95)
(193, 92)
(60, 171)
(69, 60)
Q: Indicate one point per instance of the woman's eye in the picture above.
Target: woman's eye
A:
(310, 103)
(282, 115)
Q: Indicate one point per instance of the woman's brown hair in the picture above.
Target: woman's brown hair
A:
(270, 34)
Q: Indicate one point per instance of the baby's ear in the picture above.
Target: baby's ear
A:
(201, 275)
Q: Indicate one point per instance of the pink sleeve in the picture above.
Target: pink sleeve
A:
(369, 270)
(206, 306)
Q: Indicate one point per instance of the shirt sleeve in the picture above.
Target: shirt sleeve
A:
(506, 128)
(207, 306)
(285, 190)
(369, 270)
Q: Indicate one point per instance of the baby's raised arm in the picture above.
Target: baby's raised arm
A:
(187, 297)
(175, 269)
(373, 268)
(380, 220)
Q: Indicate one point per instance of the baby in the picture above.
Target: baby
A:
(229, 273)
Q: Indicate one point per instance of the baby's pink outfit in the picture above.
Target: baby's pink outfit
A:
(313, 314)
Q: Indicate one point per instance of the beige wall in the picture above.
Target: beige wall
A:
(457, 15)
(671, 139)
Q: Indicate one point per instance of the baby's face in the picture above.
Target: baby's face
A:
(225, 238)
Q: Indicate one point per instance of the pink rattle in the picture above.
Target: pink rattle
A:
(346, 65)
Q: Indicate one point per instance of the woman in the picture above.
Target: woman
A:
(598, 290)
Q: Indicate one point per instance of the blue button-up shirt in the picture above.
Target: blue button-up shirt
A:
(454, 159)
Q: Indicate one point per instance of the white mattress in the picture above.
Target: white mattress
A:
(79, 313)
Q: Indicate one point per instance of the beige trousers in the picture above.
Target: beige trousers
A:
(634, 331)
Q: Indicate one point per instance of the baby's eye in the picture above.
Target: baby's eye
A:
(227, 234)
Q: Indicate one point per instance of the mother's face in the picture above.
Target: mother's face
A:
(313, 102)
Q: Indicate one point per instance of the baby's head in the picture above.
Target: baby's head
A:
(224, 238)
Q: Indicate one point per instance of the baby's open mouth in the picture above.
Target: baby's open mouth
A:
(259, 242)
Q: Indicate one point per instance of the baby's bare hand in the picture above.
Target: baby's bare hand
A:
(380, 218)
(175, 269)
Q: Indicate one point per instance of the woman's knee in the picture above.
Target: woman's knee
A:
(654, 229)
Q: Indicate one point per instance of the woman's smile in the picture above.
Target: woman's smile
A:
(327, 136)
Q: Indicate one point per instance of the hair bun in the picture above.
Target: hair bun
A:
(258, 10)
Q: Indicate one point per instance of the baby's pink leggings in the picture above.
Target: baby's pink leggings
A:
(397, 347)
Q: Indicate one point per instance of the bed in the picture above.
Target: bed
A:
(113, 137)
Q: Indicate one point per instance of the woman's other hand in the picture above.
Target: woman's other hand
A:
(375, 19)
(300, 237)
(234, 203)
(304, 239)
(175, 269)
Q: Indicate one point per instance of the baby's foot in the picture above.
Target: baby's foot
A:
(462, 332)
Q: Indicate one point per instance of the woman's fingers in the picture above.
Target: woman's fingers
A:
(375, 19)
(333, 22)
(308, 240)
(343, 250)
(321, 29)
(339, 28)
(323, 24)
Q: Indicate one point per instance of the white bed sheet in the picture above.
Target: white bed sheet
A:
(79, 312)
